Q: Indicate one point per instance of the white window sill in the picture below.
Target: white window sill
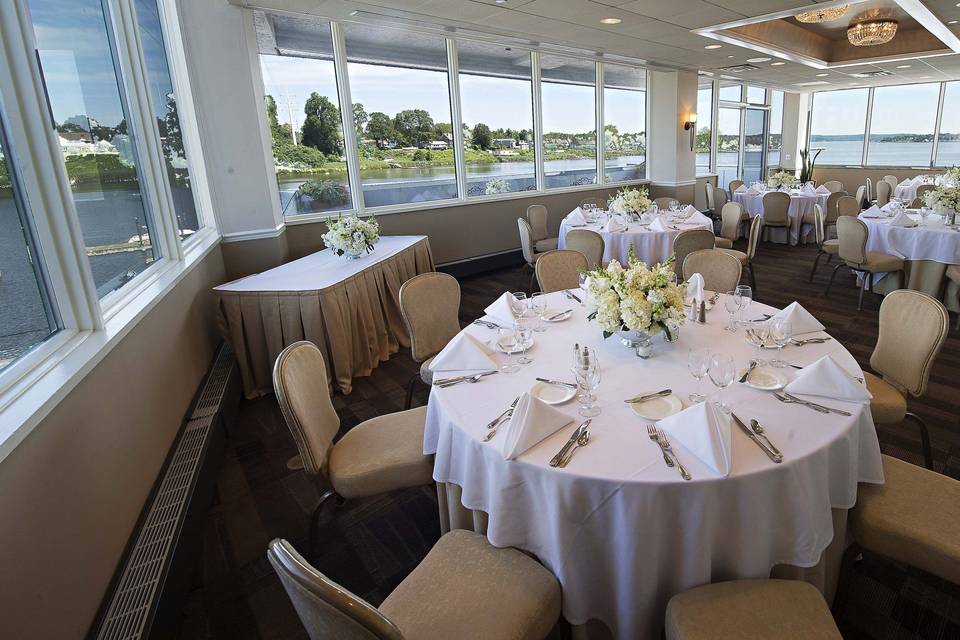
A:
(70, 355)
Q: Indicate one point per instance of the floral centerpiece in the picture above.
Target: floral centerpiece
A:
(630, 201)
(951, 176)
(944, 200)
(644, 301)
(349, 235)
(781, 179)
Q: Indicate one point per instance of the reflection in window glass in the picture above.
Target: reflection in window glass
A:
(756, 95)
(775, 138)
(901, 126)
(948, 142)
(168, 121)
(837, 122)
(569, 121)
(401, 83)
(732, 91)
(303, 115)
(497, 110)
(624, 123)
(98, 146)
(728, 145)
(704, 126)
(27, 317)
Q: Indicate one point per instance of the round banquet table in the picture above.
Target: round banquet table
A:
(907, 190)
(927, 251)
(800, 205)
(621, 531)
(650, 246)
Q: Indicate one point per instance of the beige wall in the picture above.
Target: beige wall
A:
(253, 256)
(71, 492)
(853, 177)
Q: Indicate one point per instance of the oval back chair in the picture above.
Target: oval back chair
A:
(589, 243)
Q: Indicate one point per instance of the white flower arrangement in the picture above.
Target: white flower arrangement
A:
(943, 199)
(781, 179)
(637, 298)
(629, 201)
(952, 176)
(497, 185)
(350, 235)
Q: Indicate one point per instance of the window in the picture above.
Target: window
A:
(948, 141)
(98, 145)
(27, 315)
(775, 137)
(401, 83)
(728, 145)
(168, 120)
(624, 123)
(756, 95)
(496, 103)
(569, 121)
(902, 123)
(306, 126)
(837, 123)
(704, 126)
(732, 91)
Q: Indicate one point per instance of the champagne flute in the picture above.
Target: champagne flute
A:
(732, 303)
(781, 331)
(507, 341)
(519, 304)
(524, 332)
(698, 362)
(746, 297)
(722, 373)
(538, 304)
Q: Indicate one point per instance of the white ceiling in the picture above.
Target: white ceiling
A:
(656, 31)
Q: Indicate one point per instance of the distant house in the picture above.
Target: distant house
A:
(438, 145)
(504, 143)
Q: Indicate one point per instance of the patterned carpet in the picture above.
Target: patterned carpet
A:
(376, 542)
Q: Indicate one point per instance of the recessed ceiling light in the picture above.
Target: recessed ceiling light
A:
(759, 59)
(822, 75)
(611, 20)
(713, 46)
(904, 66)
(730, 56)
(951, 22)
(777, 64)
(500, 1)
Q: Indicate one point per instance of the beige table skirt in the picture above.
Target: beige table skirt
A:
(926, 276)
(824, 576)
(356, 323)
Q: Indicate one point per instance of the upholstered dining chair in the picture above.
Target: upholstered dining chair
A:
(560, 269)
(953, 274)
(720, 270)
(731, 611)
(848, 206)
(528, 248)
(465, 588)
(862, 195)
(825, 247)
(884, 191)
(732, 217)
(377, 456)
(913, 327)
(746, 258)
(734, 185)
(917, 203)
(833, 185)
(589, 243)
(870, 193)
(853, 233)
(689, 241)
(720, 198)
(593, 201)
(430, 306)
(537, 217)
(712, 209)
(831, 212)
(665, 202)
(776, 207)
(892, 181)
(923, 189)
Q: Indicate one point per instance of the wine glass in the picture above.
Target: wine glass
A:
(507, 342)
(757, 332)
(524, 331)
(519, 303)
(586, 370)
(538, 304)
(746, 297)
(698, 362)
(781, 331)
(722, 373)
(732, 303)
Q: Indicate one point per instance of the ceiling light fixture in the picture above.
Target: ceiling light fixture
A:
(951, 22)
(777, 64)
(759, 59)
(611, 20)
(713, 46)
(822, 15)
(500, 1)
(904, 66)
(872, 32)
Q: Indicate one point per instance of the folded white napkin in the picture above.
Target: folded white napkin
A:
(753, 191)
(502, 309)
(916, 182)
(902, 220)
(613, 225)
(801, 320)
(690, 210)
(695, 288)
(823, 191)
(809, 190)
(704, 431)
(533, 420)
(827, 379)
(887, 208)
(699, 218)
(464, 353)
(658, 224)
(742, 188)
(872, 212)
(576, 217)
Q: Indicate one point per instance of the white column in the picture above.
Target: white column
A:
(673, 97)
(795, 110)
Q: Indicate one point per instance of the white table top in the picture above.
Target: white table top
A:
(319, 270)
(620, 530)
(938, 243)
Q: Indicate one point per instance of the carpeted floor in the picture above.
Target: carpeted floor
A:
(376, 542)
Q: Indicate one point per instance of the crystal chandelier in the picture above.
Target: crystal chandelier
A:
(872, 32)
(822, 15)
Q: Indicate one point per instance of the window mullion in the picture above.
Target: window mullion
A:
(601, 135)
(714, 127)
(936, 124)
(351, 146)
(456, 119)
(537, 120)
(867, 123)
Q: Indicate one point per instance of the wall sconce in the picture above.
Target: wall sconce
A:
(691, 126)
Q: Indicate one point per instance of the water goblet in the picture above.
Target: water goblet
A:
(746, 297)
(507, 342)
(722, 373)
(538, 304)
(732, 302)
(758, 331)
(781, 331)
(588, 379)
(524, 331)
(698, 362)
(519, 303)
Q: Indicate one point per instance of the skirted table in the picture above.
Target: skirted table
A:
(349, 308)
(800, 204)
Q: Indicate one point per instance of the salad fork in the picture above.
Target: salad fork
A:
(665, 445)
(652, 433)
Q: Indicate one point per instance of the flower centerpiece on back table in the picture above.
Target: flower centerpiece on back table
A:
(636, 302)
(781, 179)
(945, 201)
(629, 201)
(349, 235)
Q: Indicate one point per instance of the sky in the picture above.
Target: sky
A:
(898, 109)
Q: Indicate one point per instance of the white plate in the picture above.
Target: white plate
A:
(552, 393)
(765, 379)
(657, 408)
(516, 350)
(552, 312)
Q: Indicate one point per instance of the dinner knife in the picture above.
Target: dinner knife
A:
(649, 396)
(571, 296)
(555, 460)
(559, 382)
(750, 434)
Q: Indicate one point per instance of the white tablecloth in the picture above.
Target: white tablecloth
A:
(800, 204)
(649, 246)
(621, 531)
(907, 190)
(939, 243)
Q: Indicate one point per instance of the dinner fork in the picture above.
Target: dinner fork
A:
(652, 433)
(784, 399)
(665, 445)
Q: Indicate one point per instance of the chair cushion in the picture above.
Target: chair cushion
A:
(547, 244)
(914, 518)
(878, 262)
(750, 609)
(739, 255)
(425, 374)
(380, 455)
(467, 589)
(953, 272)
(888, 405)
(723, 243)
(831, 246)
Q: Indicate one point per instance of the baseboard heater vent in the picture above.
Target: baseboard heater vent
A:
(144, 585)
